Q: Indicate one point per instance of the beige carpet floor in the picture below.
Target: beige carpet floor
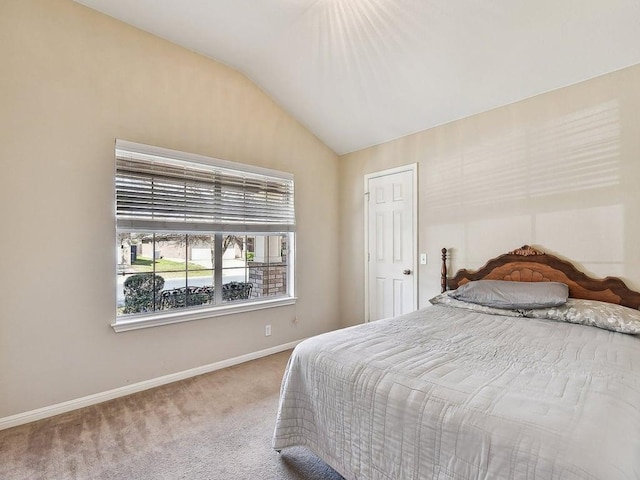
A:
(214, 426)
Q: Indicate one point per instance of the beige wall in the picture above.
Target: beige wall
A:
(73, 81)
(560, 171)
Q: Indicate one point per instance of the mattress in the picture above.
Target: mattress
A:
(446, 393)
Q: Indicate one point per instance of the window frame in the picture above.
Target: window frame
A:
(136, 321)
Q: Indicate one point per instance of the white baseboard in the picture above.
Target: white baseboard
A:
(57, 409)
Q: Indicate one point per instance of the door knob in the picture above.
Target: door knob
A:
(407, 272)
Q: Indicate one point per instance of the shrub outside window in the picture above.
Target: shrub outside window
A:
(198, 234)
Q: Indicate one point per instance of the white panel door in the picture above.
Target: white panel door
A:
(391, 238)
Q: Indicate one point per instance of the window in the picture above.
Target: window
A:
(198, 237)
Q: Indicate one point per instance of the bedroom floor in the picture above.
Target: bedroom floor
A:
(214, 426)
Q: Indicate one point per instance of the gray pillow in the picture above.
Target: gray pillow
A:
(592, 312)
(507, 294)
(448, 301)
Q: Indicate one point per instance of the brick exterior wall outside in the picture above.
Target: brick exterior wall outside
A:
(267, 279)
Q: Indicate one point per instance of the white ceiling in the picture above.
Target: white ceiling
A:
(362, 72)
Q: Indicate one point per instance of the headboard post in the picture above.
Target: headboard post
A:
(443, 272)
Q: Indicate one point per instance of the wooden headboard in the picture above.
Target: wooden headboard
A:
(527, 264)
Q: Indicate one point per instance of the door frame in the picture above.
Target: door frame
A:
(413, 168)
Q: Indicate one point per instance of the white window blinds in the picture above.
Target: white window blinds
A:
(165, 190)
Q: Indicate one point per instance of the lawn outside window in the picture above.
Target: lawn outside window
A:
(198, 237)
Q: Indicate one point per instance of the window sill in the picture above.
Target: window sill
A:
(156, 320)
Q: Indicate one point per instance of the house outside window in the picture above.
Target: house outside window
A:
(198, 237)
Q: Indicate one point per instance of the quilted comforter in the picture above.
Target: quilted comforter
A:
(444, 393)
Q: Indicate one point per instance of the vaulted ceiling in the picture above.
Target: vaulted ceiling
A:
(362, 72)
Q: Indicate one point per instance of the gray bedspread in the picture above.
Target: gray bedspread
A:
(445, 393)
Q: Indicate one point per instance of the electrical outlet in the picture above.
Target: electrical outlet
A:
(267, 330)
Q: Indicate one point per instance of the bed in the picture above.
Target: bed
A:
(465, 390)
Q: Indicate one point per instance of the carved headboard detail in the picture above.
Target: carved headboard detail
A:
(528, 264)
(526, 251)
